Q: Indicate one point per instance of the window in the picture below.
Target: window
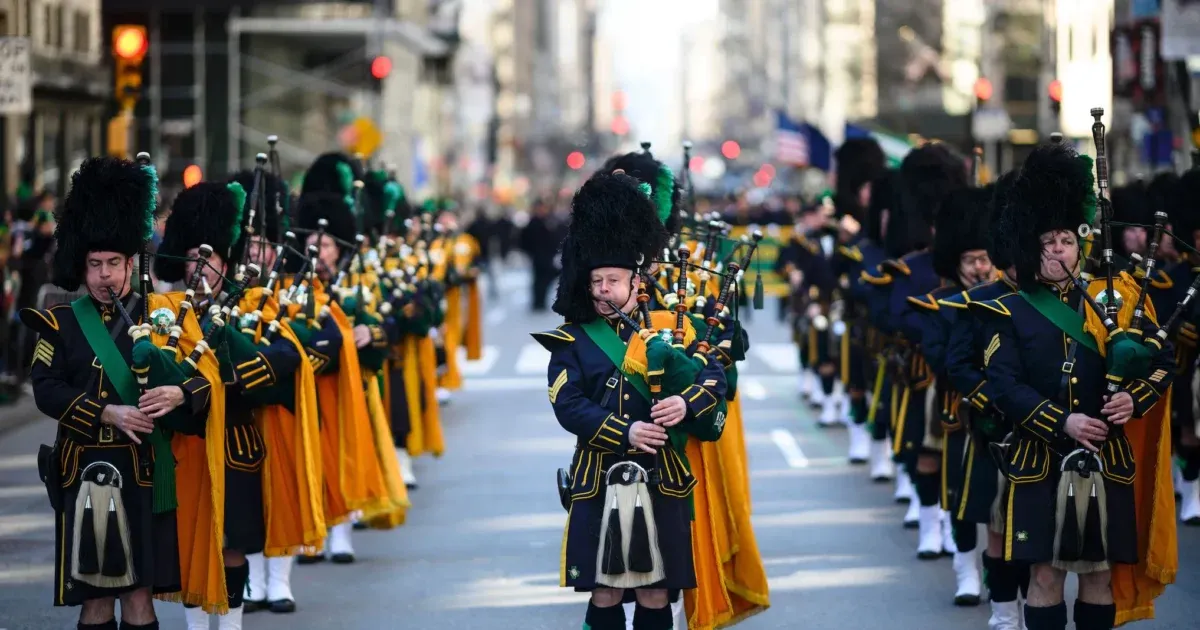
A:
(83, 32)
(4, 22)
(58, 26)
(47, 31)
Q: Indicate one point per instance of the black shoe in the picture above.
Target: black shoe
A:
(283, 606)
(966, 600)
(343, 558)
(410, 486)
(303, 559)
(250, 605)
(929, 555)
(360, 525)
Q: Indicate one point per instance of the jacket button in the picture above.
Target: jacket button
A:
(1074, 380)
(626, 396)
(625, 416)
(1075, 402)
(104, 394)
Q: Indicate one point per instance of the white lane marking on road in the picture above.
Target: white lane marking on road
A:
(21, 492)
(13, 462)
(495, 316)
(483, 365)
(752, 389)
(790, 448)
(533, 359)
(780, 357)
(809, 579)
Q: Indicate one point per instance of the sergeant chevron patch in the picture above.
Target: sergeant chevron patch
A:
(43, 352)
(559, 381)
(991, 349)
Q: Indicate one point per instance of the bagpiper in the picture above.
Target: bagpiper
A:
(1185, 427)
(1079, 370)
(628, 487)
(111, 474)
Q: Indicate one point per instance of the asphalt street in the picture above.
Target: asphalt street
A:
(482, 542)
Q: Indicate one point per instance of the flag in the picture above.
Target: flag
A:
(791, 145)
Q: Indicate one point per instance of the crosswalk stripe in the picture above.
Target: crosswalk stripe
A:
(780, 357)
(532, 360)
(480, 367)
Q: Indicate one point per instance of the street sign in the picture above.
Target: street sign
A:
(990, 124)
(361, 136)
(16, 76)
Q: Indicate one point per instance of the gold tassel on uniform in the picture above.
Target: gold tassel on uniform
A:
(101, 554)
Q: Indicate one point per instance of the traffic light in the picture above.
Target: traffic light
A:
(129, 46)
(381, 67)
(1056, 94)
(983, 91)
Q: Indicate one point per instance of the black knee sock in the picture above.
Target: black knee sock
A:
(1001, 579)
(879, 431)
(927, 485)
(858, 409)
(966, 535)
(827, 384)
(107, 625)
(1191, 463)
(1094, 616)
(1046, 617)
(125, 625)
(652, 618)
(611, 618)
(1023, 573)
(235, 584)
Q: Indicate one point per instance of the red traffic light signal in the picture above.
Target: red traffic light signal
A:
(1056, 91)
(381, 67)
(129, 43)
(575, 160)
(731, 149)
(983, 89)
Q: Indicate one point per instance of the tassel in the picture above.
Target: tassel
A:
(758, 292)
(1068, 546)
(114, 548)
(640, 559)
(1093, 531)
(614, 563)
(89, 560)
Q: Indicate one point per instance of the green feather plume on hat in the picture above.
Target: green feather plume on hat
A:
(239, 203)
(151, 201)
(663, 192)
(1089, 203)
(393, 192)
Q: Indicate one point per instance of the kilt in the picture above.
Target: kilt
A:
(581, 538)
(400, 420)
(979, 482)
(954, 453)
(1029, 512)
(154, 537)
(909, 419)
(245, 524)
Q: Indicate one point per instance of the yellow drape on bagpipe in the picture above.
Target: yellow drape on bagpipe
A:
(430, 413)
(385, 450)
(199, 480)
(452, 338)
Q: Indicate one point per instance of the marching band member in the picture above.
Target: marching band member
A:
(629, 444)
(860, 162)
(1185, 427)
(111, 473)
(285, 414)
(977, 502)
(1088, 457)
(960, 258)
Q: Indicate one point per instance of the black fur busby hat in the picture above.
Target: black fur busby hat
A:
(332, 207)
(999, 250)
(860, 161)
(665, 190)
(1055, 190)
(1185, 217)
(209, 213)
(613, 224)
(883, 195)
(927, 175)
(380, 195)
(110, 208)
(961, 226)
(277, 198)
(331, 173)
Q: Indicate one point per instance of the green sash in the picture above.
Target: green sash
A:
(121, 377)
(606, 338)
(1062, 316)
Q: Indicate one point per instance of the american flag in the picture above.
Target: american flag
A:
(791, 145)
